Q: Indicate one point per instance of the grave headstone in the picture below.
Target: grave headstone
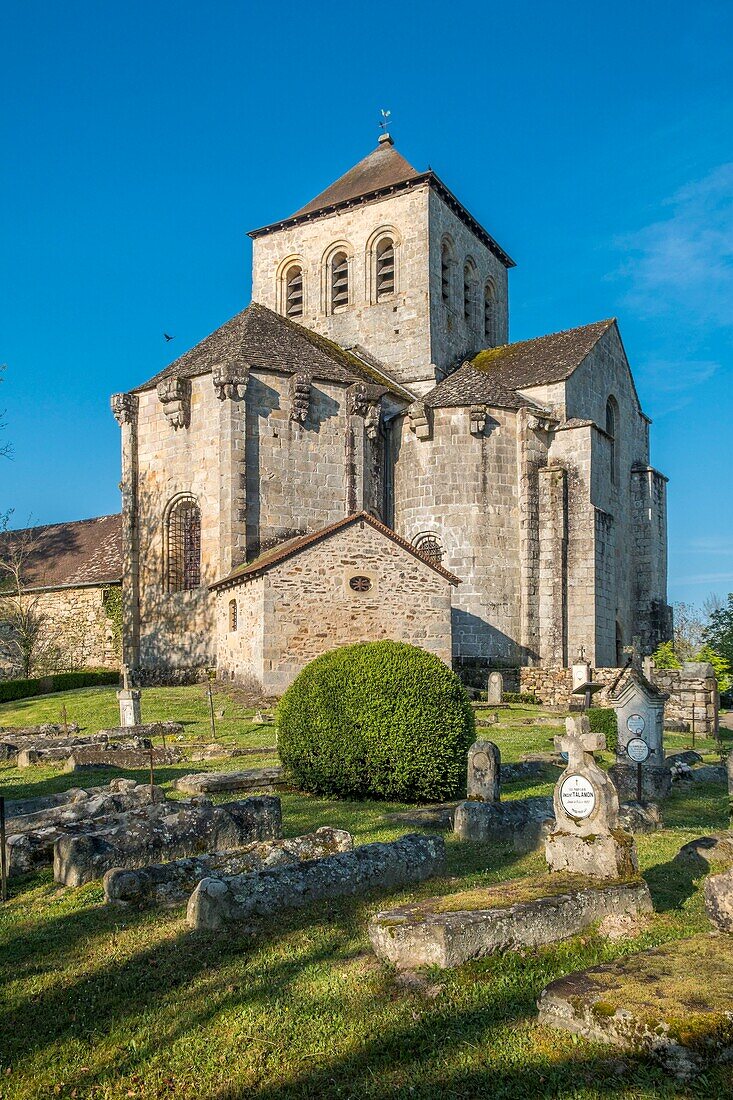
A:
(484, 772)
(495, 688)
(587, 838)
(639, 708)
(129, 700)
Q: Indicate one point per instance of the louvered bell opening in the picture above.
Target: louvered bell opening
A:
(294, 294)
(340, 281)
(445, 280)
(385, 269)
(489, 317)
(467, 298)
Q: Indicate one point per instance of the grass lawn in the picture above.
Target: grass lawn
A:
(107, 1003)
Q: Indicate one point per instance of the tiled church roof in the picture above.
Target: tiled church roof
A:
(59, 555)
(495, 375)
(285, 550)
(383, 167)
(260, 338)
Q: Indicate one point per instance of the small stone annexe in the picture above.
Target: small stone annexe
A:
(353, 581)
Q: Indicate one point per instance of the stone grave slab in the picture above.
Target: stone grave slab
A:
(718, 892)
(171, 830)
(254, 779)
(484, 762)
(174, 882)
(587, 838)
(522, 824)
(529, 912)
(119, 756)
(495, 688)
(673, 1003)
(217, 903)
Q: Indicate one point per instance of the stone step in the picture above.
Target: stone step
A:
(542, 909)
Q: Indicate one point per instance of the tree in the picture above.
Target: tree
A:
(664, 656)
(27, 638)
(719, 631)
(689, 630)
(720, 665)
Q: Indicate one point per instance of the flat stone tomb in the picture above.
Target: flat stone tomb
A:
(587, 838)
(675, 1003)
(169, 883)
(219, 902)
(170, 830)
(450, 930)
(254, 779)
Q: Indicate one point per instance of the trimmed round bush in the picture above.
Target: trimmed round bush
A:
(376, 720)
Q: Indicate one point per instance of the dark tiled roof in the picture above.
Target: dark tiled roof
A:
(286, 549)
(86, 551)
(258, 337)
(384, 167)
(495, 375)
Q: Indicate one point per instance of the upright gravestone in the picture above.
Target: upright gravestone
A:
(587, 838)
(640, 771)
(495, 688)
(129, 700)
(484, 766)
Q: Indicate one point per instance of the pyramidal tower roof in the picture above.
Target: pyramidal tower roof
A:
(383, 167)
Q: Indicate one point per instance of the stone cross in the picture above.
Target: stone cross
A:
(578, 741)
(484, 768)
(125, 677)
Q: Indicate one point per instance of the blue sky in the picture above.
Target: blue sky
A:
(141, 140)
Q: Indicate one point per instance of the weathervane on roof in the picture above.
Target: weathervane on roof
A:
(383, 124)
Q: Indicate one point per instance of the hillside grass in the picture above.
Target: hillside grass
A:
(104, 1003)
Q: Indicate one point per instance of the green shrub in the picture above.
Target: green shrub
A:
(603, 720)
(664, 656)
(519, 697)
(379, 720)
(61, 681)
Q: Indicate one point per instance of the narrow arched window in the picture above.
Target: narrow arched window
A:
(446, 264)
(232, 615)
(490, 335)
(183, 546)
(469, 292)
(339, 280)
(385, 268)
(612, 433)
(429, 546)
(294, 291)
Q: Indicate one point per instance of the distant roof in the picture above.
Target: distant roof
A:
(257, 337)
(286, 550)
(494, 375)
(68, 555)
(378, 175)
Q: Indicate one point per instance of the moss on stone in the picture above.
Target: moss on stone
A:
(503, 895)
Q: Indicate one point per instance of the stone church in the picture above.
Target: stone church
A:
(361, 453)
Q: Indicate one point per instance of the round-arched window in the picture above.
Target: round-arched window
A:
(430, 547)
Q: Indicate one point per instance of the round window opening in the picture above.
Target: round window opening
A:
(360, 584)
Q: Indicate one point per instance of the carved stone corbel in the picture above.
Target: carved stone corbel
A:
(421, 416)
(174, 395)
(372, 420)
(124, 407)
(230, 381)
(300, 396)
(357, 399)
(477, 419)
(537, 422)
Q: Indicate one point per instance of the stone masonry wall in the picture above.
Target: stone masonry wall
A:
(463, 489)
(309, 607)
(81, 633)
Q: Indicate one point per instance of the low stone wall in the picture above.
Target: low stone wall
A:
(693, 701)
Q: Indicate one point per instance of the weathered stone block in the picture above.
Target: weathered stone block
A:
(674, 1003)
(611, 855)
(172, 830)
(523, 824)
(168, 883)
(656, 782)
(484, 772)
(541, 909)
(218, 902)
(254, 779)
(718, 892)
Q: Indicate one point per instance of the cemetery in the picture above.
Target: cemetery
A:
(331, 929)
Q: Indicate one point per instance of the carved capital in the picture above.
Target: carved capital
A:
(175, 397)
(478, 419)
(300, 396)
(124, 407)
(231, 381)
(421, 416)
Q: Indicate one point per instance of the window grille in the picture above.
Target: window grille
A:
(385, 268)
(430, 547)
(294, 292)
(360, 584)
(339, 280)
(232, 615)
(184, 546)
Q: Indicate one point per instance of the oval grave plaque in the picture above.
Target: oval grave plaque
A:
(480, 760)
(577, 797)
(637, 750)
(635, 724)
